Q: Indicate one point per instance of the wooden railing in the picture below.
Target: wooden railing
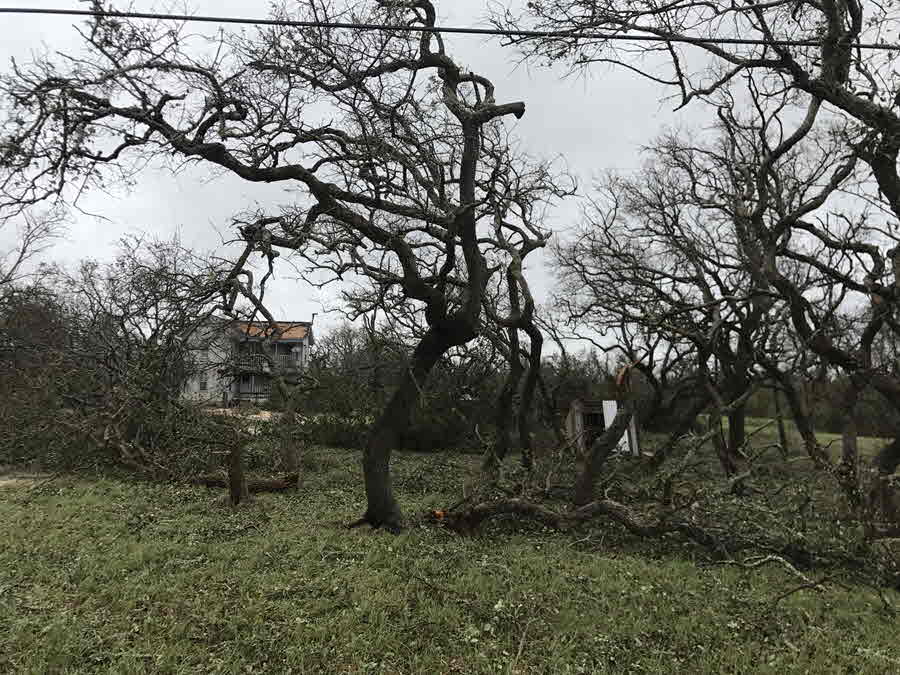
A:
(287, 360)
(261, 363)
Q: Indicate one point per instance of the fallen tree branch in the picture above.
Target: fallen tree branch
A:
(473, 517)
(809, 585)
(722, 544)
(754, 562)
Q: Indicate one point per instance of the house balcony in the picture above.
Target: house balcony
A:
(259, 363)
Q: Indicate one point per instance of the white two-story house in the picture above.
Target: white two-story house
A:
(234, 363)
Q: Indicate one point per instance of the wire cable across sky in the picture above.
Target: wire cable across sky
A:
(458, 30)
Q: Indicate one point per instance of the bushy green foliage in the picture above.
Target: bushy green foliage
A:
(352, 374)
(32, 326)
(333, 430)
(97, 360)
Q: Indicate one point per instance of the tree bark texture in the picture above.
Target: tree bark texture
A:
(290, 456)
(849, 467)
(779, 421)
(528, 391)
(237, 482)
(600, 451)
(684, 426)
(382, 507)
(737, 430)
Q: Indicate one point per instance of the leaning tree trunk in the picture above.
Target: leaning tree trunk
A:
(653, 414)
(849, 466)
(599, 452)
(551, 417)
(779, 421)
(382, 507)
(737, 430)
(797, 403)
(505, 418)
(727, 459)
(848, 481)
(725, 452)
(528, 389)
(683, 427)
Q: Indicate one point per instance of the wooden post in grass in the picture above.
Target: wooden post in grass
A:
(237, 481)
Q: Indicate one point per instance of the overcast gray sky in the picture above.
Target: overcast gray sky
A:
(593, 123)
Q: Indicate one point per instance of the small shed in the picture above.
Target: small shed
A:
(586, 419)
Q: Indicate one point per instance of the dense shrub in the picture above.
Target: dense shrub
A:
(97, 359)
(353, 372)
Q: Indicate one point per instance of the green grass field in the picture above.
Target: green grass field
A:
(868, 446)
(105, 576)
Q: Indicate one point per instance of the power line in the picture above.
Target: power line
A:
(459, 30)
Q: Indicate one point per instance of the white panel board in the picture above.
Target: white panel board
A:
(633, 438)
(610, 408)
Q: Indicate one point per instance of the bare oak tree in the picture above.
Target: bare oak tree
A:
(808, 260)
(523, 192)
(381, 133)
(800, 55)
(658, 257)
(33, 234)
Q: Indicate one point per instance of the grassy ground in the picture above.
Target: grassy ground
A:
(98, 575)
(867, 445)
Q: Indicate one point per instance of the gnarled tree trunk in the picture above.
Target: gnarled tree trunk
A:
(528, 390)
(290, 455)
(685, 424)
(779, 421)
(382, 507)
(600, 451)
(505, 418)
(849, 466)
(737, 430)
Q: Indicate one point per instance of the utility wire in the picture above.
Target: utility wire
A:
(460, 30)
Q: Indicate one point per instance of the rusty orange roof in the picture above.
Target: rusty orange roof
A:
(291, 330)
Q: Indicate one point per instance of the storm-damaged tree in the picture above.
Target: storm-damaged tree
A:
(103, 351)
(31, 234)
(847, 253)
(806, 48)
(518, 191)
(520, 199)
(132, 335)
(503, 334)
(657, 259)
(810, 265)
(380, 132)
